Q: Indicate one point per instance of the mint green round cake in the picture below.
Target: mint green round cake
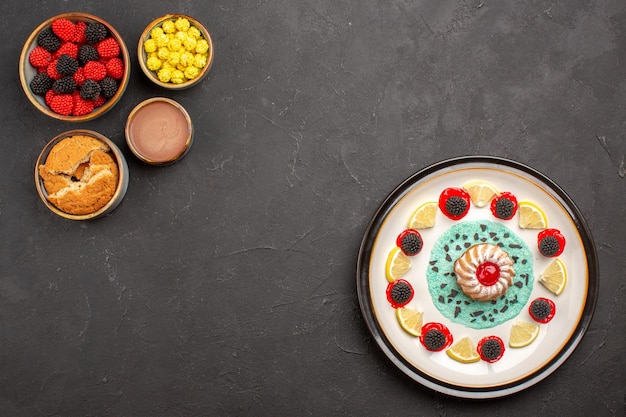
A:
(446, 294)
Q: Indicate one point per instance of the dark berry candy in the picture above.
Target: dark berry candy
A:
(490, 348)
(41, 83)
(90, 90)
(95, 32)
(64, 85)
(435, 337)
(542, 310)
(399, 293)
(66, 65)
(550, 242)
(454, 203)
(48, 40)
(504, 206)
(87, 53)
(108, 86)
(410, 242)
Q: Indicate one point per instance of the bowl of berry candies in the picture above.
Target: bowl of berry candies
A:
(74, 67)
(175, 51)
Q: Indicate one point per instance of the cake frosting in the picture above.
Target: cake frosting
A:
(468, 272)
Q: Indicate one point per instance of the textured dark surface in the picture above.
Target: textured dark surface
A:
(226, 284)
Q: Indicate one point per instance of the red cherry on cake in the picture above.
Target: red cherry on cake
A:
(504, 206)
(435, 337)
(454, 203)
(550, 242)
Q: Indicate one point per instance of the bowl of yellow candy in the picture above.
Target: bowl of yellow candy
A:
(175, 51)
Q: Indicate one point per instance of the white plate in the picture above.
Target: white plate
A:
(519, 368)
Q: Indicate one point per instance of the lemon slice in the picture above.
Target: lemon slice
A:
(523, 334)
(481, 192)
(464, 351)
(397, 264)
(531, 216)
(410, 320)
(554, 277)
(424, 216)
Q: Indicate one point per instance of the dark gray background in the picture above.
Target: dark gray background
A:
(226, 284)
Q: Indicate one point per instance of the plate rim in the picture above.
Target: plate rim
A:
(365, 302)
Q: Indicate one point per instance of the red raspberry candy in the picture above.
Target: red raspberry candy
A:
(94, 71)
(39, 57)
(49, 96)
(79, 76)
(64, 29)
(99, 101)
(67, 48)
(108, 48)
(81, 107)
(52, 70)
(79, 33)
(115, 68)
(62, 104)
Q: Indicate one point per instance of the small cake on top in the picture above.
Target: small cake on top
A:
(484, 272)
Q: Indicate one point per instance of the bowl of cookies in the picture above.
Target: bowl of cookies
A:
(175, 51)
(74, 67)
(81, 175)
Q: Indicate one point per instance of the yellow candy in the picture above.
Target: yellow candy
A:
(153, 63)
(156, 32)
(168, 26)
(181, 35)
(182, 24)
(168, 65)
(194, 32)
(186, 59)
(174, 58)
(163, 53)
(190, 43)
(174, 44)
(202, 46)
(199, 61)
(162, 40)
(191, 72)
(165, 75)
(177, 77)
(150, 45)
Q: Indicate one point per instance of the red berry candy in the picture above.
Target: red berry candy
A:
(399, 293)
(49, 95)
(81, 107)
(64, 29)
(62, 104)
(39, 57)
(542, 310)
(435, 337)
(504, 206)
(410, 242)
(454, 203)
(490, 348)
(99, 101)
(79, 76)
(52, 70)
(108, 48)
(550, 242)
(67, 48)
(94, 70)
(115, 68)
(79, 33)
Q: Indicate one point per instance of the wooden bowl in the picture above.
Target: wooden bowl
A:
(27, 71)
(143, 55)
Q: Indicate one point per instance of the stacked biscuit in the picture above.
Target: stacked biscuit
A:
(80, 175)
